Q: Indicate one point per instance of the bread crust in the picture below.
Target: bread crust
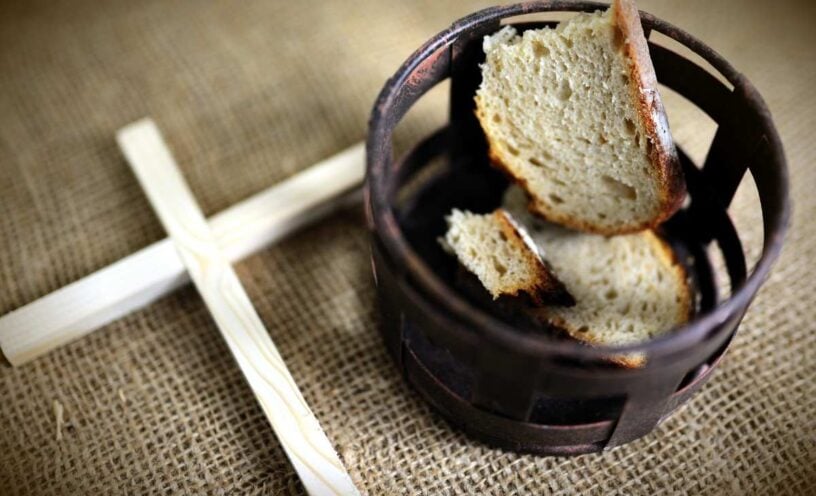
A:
(643, 87)
(630, 361)
(547, 289)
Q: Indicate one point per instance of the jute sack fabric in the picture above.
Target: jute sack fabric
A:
(247, 94)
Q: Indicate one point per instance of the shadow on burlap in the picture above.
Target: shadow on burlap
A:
(247, 94)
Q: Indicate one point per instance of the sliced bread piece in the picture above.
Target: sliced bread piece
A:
(503, 257)
(574, 116)
(627, 288)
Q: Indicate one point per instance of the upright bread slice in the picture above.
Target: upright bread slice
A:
(573, 114)
(506, 261)
(627, 288)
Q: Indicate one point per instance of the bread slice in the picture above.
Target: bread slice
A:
(627, 288)
(574, 116)
(503, 257)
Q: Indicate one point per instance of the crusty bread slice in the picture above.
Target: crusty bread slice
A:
(627, 288)
(503, 257)
(574, 116)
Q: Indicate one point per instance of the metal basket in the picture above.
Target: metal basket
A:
(521, 390)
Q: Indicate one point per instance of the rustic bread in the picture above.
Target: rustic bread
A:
(503, 257)
(574, 116)
(627, 288)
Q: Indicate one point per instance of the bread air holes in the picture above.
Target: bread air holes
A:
(537, 162)
(650, 148)
(540, 50)
(497, 118)
(500, 267)
(629, 125)
(564, 91)
(610, 294)
(556, 199)
(618, 188)
(512, 149)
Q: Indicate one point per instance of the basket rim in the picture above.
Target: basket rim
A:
(385, 226)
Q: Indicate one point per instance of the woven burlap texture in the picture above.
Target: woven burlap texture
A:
(248, 93)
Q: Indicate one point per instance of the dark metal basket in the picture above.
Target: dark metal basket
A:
(503, 383)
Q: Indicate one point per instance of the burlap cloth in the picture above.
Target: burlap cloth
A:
(247, 94)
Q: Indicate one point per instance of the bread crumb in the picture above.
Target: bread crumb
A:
(58, 412)
(121, 394)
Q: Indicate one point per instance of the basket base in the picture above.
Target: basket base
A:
(444, 384)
